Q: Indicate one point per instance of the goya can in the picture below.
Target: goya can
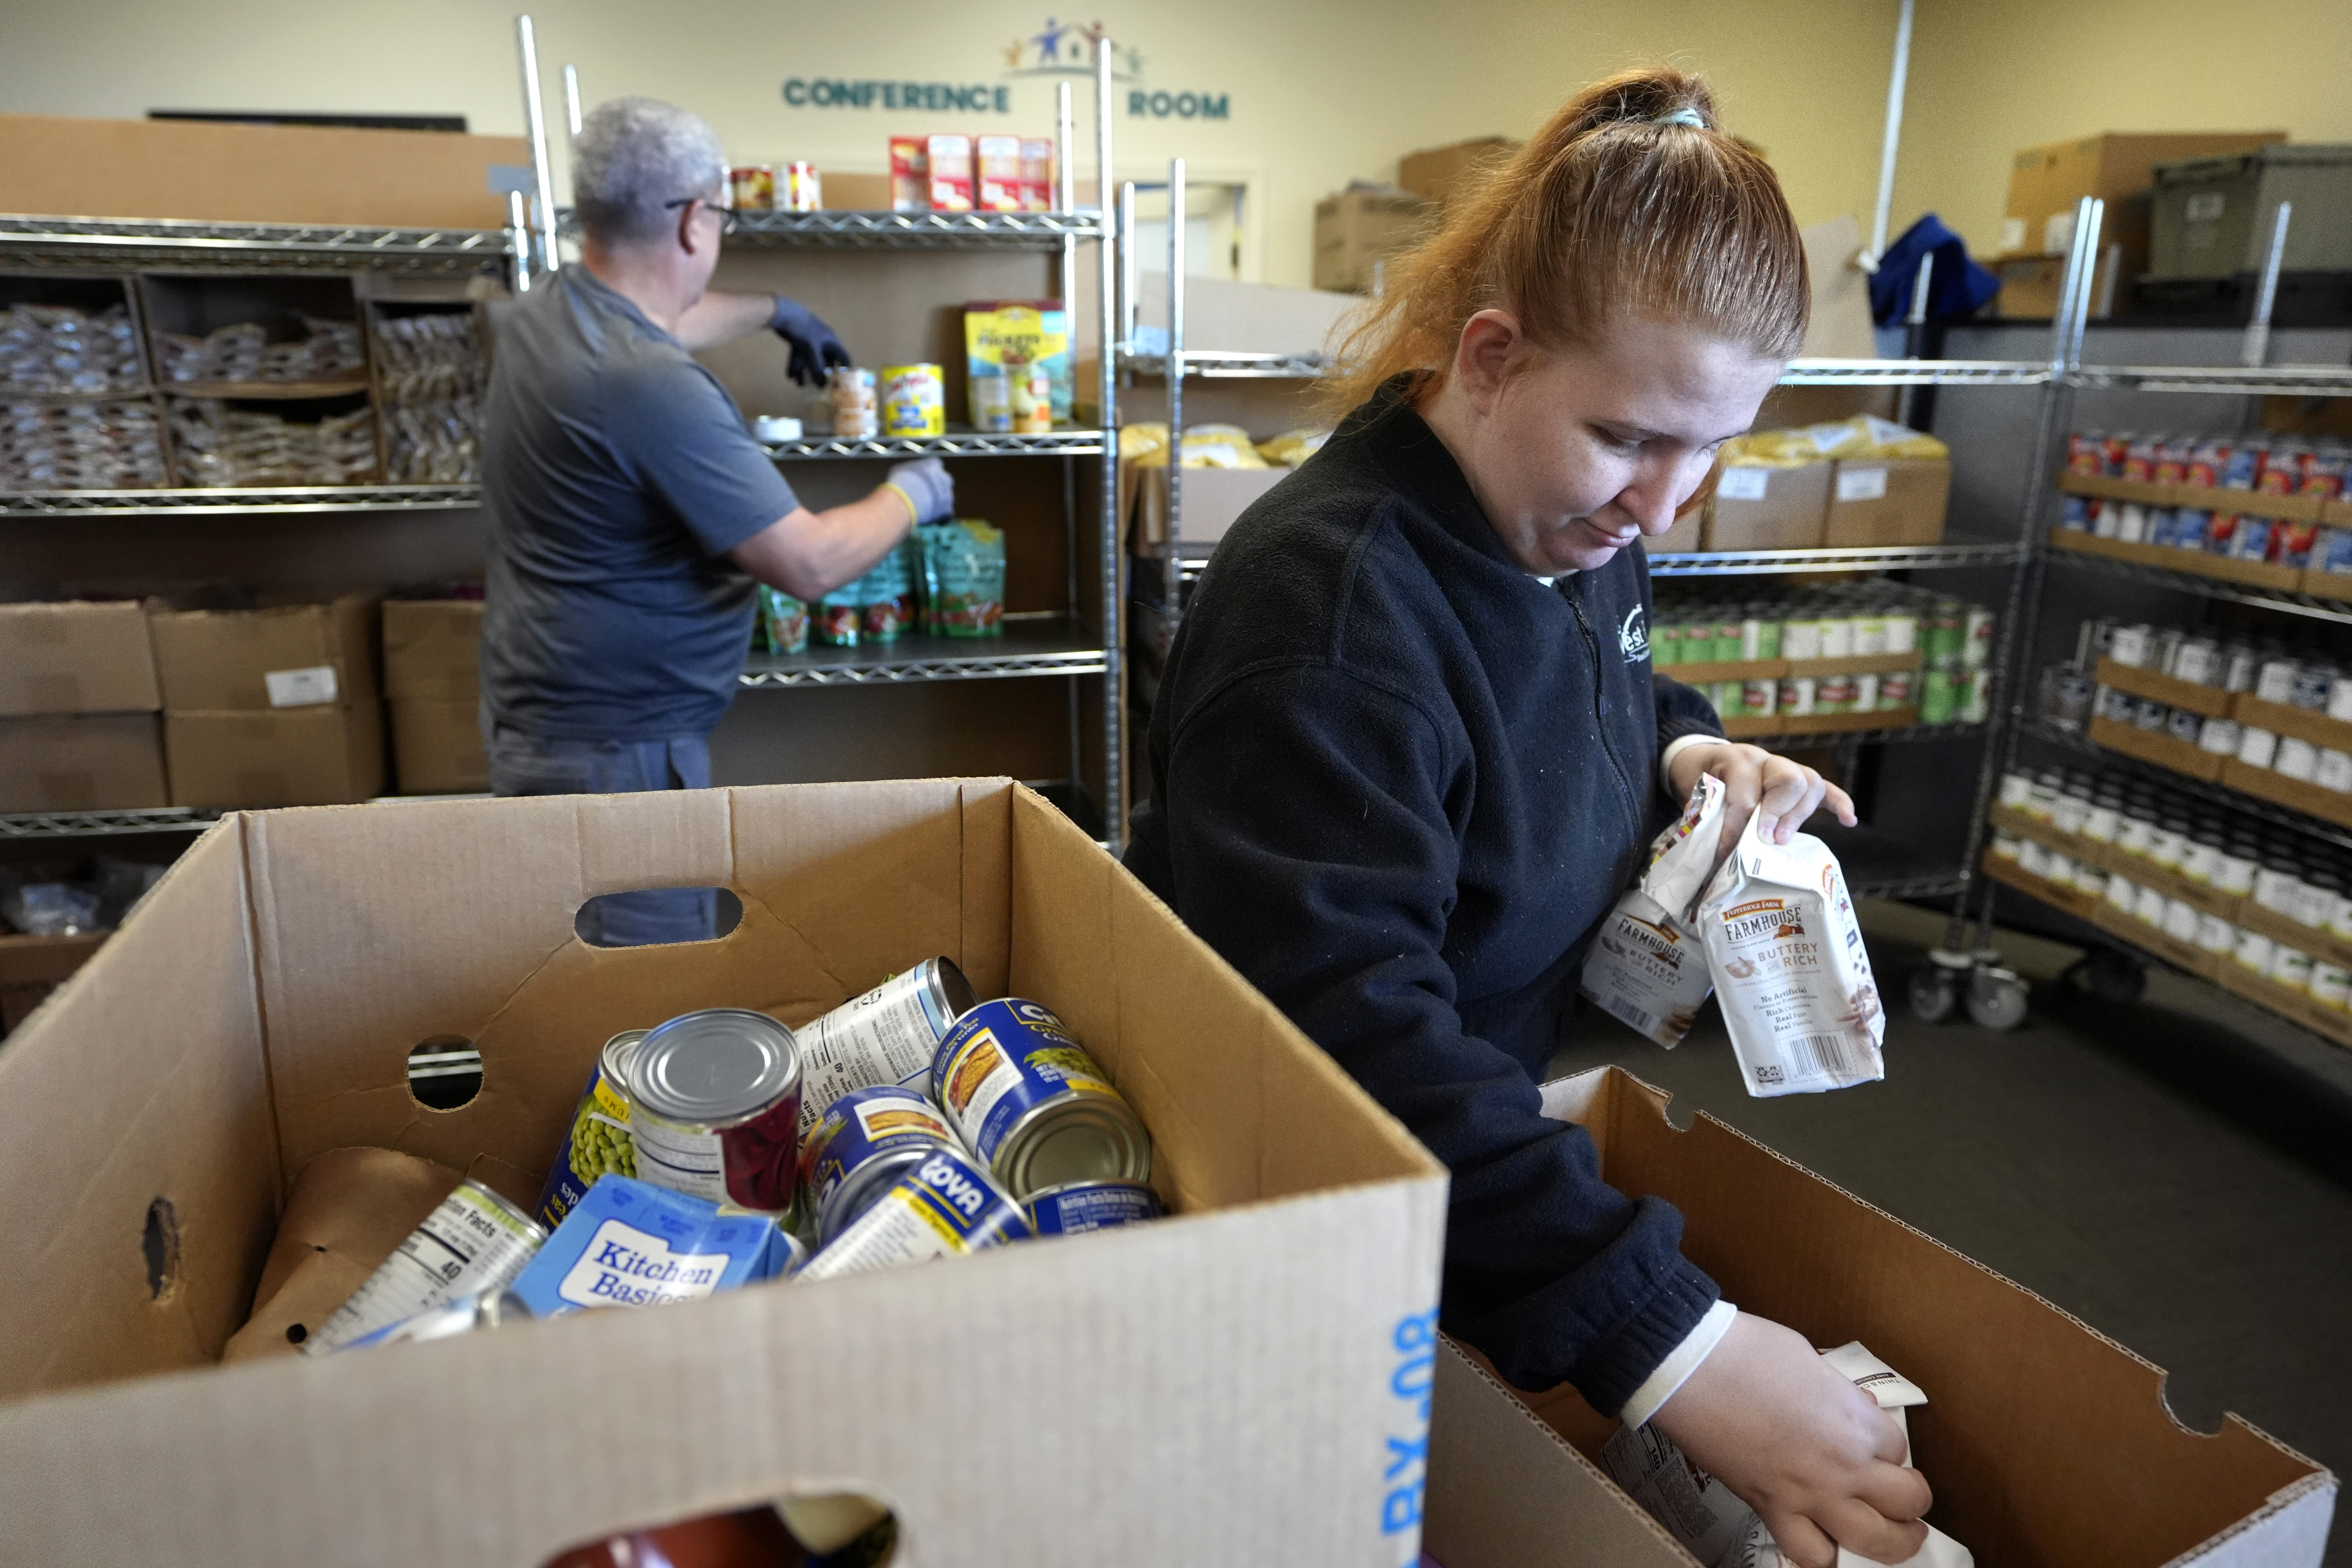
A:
(1033, 1104)
(1077, 1206)
(864, 1141)
(599, 1144)
(948, 1205)
(714, 1107)
(914, 400)
(475, 1244)
(890, 1034)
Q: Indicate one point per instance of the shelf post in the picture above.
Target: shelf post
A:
(534, 118)
(1892, 145)
(571, 100)
(2257, 346)
(1114, 605)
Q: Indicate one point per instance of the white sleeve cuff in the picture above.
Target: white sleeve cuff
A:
(1675, 748)
(1684, 1360)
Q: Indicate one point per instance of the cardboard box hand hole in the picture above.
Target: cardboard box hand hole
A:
(159, 1241)
(646, 917)
(445, 1071)
(837, 1527)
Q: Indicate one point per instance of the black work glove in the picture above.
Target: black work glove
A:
(816, 351)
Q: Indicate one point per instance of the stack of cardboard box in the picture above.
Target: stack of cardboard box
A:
(277, 706)
(432, 679)
(78, 702)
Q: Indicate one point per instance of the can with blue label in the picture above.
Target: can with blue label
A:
(948, 1205)
(629, 1243)
(1077, 1206)
(1030, 1101)
(866, 1141)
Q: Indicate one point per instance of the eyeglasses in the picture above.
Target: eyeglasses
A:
(727, 218)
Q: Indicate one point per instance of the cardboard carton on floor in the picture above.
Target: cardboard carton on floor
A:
(433, 649)
(436, 746)
(1888, 500)
(1768, 509)
(76, 658)
(1245, 1382)
(2048, 1444)
(278, 656)
(1356, 229)
(88, 761)
(329, 754)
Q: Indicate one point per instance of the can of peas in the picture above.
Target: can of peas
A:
(599, 1143)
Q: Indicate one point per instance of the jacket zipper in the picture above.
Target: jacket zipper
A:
(1599, 716)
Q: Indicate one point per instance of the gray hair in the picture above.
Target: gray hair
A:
(632, 155)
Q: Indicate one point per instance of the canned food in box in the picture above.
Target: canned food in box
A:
(914, 400)
(1033, 1104)
(890, 1036)
(1077, 1206)
(474, 1243)
(600, 1144)
(864, 1141)
(715, 1104)
(946, 1206)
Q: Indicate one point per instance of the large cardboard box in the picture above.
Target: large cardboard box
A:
(2046, 181)
(2029, 286)
(276, 656)
(1768, 508)
(253, 174)
(433, 649)
(331, 754)
(436, 746)
(1243, 1383)
(1888, 500)
(2048, 1444)
(102, 761)
(1437, 173)
(76, 656)
(1355, 230)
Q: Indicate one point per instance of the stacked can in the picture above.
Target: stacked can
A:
(1850, 622)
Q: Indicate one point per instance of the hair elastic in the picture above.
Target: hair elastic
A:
(1686, 116)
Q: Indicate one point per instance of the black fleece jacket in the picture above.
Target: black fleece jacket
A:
(1396, 782)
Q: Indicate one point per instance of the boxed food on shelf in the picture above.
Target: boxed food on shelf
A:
(81, 761)
(2212, 214)
(2027, 1407)
(76, 655)
(1762, 503)
(1437, 173)
(432, 647)
(948, 162)
(436, 746)
(1359, 228)
(1018, 366)
(1276, 1337)
(2045, 183)
(288, 654)
(1225, 473)
(327, 755)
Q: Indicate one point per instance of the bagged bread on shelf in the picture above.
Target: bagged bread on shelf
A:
(1790, 967)
(1648, 966)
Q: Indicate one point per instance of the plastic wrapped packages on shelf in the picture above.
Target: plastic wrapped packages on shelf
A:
(242, 352)
(218, 445)
(433, 373)
(58, 349)
(80, 447)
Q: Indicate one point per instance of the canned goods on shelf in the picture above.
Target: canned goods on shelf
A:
(1033, 1104)
(753, 188)
(804, 190)
(914, 400)
(714, 1106)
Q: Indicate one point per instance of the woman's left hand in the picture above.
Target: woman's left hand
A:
(1756, 783)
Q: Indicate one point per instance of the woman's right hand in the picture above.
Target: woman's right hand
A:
(1809, 1452)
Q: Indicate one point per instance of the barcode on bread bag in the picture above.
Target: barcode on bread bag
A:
(1823, 1055)
(1639, 1017)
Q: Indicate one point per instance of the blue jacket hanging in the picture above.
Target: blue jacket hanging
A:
(1961, 288)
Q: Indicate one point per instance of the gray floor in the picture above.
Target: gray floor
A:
(2177, 1173)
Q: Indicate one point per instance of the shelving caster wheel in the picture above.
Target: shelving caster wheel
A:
(1935, 985)
(1996, 998)
(2109, 976)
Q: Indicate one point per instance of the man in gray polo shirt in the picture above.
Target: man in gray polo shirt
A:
(630, 510)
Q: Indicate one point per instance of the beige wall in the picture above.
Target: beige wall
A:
(1320, 90)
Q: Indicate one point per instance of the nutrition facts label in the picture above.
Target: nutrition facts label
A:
(888, 1036)
(679, 1156)
(471, 1244)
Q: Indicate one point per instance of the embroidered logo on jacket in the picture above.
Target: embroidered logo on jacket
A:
(1633, 636)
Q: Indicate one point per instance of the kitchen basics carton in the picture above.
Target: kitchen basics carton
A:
(1245, 1382)
(2049, 1445)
